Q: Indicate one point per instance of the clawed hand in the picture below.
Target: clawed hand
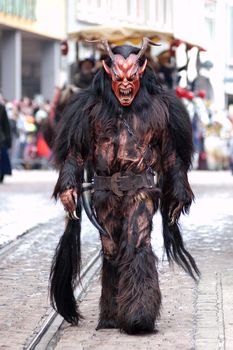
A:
(69, 199)
(175, 212)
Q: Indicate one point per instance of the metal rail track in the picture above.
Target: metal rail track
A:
(10, 246)
(50, 327)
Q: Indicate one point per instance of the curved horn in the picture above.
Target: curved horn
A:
(106, 46)
(145, 43)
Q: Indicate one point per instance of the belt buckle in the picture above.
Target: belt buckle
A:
(114, 184)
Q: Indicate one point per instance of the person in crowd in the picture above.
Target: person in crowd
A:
(43, 150)
(5, 143)
(13, 114)
(167, 70)
(230, 116)
(22, 139)
(26, 106)
(231, 153)
(59, 101)
(85, 74)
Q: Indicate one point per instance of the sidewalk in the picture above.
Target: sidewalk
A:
(25, 202)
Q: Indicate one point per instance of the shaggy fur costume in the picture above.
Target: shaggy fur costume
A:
(152, 134)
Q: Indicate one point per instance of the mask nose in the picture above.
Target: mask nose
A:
(125, 81)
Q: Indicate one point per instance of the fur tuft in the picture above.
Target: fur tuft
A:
(175, 250)
(65, 270)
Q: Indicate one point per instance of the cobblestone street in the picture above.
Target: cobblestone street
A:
(193, 316)
(24, 270)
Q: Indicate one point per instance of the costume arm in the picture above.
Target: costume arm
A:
(70, 153)
(68, 186)
(176, 149)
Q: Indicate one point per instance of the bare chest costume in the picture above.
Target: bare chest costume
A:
(132, 133)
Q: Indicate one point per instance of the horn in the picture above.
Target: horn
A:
(145, 43)
(106, 46)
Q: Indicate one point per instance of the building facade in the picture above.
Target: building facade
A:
(30, 35)
(205, 23)
(156, 14)
(176, 17)
(219, 24)
(31, 32)
(228, 71)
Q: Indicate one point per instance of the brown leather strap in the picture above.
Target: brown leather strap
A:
(125, 184)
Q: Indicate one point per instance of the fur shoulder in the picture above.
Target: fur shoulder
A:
(180, 128)
(72, 132)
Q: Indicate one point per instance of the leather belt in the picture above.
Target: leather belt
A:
(125, 184)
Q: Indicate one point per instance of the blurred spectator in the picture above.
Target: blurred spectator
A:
(231, 153)
(40, 115)
(202, 81)
(2, 101)
(5, 143)
(60, 99)
(21, 141)
(26, 106)
(85, 74)
(43, 150)
(13, 114)
(230, 116)
(167, 69)
(30, 150)
(29, 123)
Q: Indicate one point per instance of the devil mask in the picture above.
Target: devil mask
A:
(126, 72)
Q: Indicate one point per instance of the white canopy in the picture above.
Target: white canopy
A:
(119, 34)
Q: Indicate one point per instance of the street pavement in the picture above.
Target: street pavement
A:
(28, 213)
(194, 315)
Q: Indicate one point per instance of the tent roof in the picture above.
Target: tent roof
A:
(118, 35)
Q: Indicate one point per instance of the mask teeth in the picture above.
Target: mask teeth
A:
(126, 92)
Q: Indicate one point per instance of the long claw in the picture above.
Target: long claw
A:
(75, 197)
(74, 215)
(69, 215)
(172, 221)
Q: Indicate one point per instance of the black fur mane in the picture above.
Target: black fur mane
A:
(99, 103)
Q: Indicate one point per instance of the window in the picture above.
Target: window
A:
(230, 32)
(154, 13)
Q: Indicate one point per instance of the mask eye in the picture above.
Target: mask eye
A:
(117, 77)
(132, 77)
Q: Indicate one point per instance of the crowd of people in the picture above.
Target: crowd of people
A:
(27, 126)
(22, 142)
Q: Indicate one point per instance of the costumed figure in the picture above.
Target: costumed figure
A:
(129, 129)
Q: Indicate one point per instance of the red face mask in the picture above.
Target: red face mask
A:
(125, 74)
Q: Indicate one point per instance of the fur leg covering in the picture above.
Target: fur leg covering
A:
(65, 270)
(108, 305)
(139, 296)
